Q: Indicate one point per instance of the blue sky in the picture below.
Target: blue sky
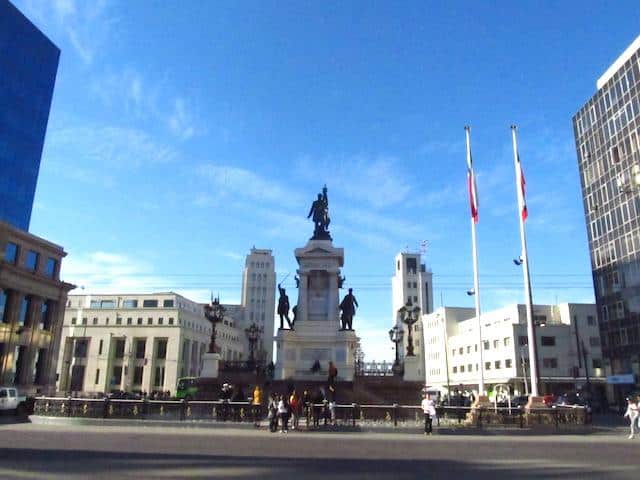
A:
(183, 133)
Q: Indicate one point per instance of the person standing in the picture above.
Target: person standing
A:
(256, 402)
(429, 410)
(632, 414)
(273, 413)
(283, 413)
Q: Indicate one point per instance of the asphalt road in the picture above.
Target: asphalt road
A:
(29, 451)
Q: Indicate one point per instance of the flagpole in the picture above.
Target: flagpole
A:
(474, 249)
(531, 330)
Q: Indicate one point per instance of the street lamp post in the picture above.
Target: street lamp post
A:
(396, 334)
(215, 314)
(409, 316)
(253, 333)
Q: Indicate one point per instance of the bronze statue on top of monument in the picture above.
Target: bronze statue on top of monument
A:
(319, 213)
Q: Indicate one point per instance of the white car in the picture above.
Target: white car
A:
(11, 401)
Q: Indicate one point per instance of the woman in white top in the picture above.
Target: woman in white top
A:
(429, 409)
(632, 413)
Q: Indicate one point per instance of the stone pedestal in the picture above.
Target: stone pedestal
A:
(317, 335)
(210, 365)
(413, 369)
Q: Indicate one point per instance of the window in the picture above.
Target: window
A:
(139, 320)
(594, 341)
(74, 320)
(469, 368)
(3, 304)
(81, 347)
(507, 363)
(540, 319)
(548, 341)
(161, 352)
(461, 368)
(550, 362)
(497, 364)
(506, 341)
(107, 304)
(118, 320)
(129, 320)
(116, 378)
(158, 378)
(496, 343)
(45, 316)
(487, 345)
(596, 363)
(11, 253)
(461, 350)
(31, 262)
(160, 321)
(455, 369)
(84, 320)
(137, 375)
(167, 303)
(97, 381)
(453, 352)
(487, 365)
(170, 320)
(150, 303)
(119, 348)
(619, 310)
(95, 320)
(50, 267)
(140, 348)
(469, 349)
(150, 321)
(591, 320)
(24, 309)
(130, 303)
(100, 347)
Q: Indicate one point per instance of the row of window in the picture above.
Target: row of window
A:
(31, 260)
(43, 316)
(81, 348)
(129, 303)
(260, 264)
(160, 321)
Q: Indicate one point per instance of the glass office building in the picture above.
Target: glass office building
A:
(607, 133)
(28, 66)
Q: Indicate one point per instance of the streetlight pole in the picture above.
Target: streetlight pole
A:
(409, 317)
(253, 334)
(396, 335)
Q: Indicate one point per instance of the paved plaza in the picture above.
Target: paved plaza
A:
(31, 451)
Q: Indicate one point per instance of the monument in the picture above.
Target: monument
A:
(318, 334)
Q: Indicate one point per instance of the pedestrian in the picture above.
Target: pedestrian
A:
(256, 403)
(294, 405)
(283, 413)
(273, 413)
(632, 413)
(429, 410)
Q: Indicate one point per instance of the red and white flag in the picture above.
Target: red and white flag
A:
(522, 190)
(473, 192)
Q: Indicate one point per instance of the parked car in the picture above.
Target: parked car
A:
(14, 403)
(519, 401)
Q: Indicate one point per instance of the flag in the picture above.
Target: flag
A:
(473, 193)
(522, 190)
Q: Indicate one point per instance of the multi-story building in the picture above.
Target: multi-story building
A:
(133, 342)
(411, 284)
(29, 63)
(230, 336)
(32, 300)
(607, 134)
(259, 297)
(567, 337)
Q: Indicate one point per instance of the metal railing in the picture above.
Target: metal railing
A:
(312, 415)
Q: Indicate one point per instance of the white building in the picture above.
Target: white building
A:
(411, 283)
(259, 297)
(451, 360)
(135, 342)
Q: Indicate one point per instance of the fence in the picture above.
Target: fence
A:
(313, 415)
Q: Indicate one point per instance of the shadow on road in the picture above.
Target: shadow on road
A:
(33, 463)
(13, 419)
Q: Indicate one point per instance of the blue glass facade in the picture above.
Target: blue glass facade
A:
(28, 67)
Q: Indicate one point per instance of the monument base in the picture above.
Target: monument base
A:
(413, 369)
(210, 365)
(311, 345)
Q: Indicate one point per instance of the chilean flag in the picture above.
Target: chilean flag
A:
(473, 193)
(522, 190)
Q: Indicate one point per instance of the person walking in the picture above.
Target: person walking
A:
(283, 413)
(429, 410)
(632, 414)
(273, 413)
(294, 405)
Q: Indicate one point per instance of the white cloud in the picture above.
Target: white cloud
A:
(114, 147)
(374, 342)
(180, 120)
(377, 180)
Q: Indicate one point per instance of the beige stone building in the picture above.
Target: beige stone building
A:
(136, 342)
(32, 300)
